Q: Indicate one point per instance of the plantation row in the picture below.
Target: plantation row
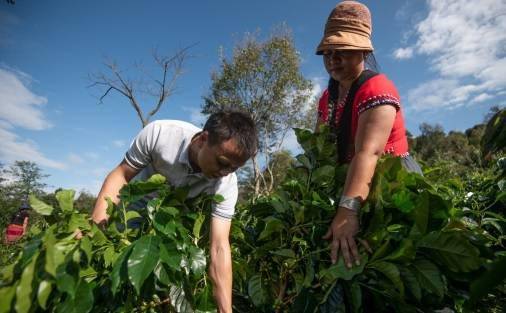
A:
(434, 246)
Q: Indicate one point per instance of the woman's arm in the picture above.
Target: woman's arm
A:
(374, 127)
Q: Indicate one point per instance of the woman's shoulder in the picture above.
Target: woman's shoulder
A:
(377, 86)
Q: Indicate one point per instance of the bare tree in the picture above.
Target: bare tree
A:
(160, 88)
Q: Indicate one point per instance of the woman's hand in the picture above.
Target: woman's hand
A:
(342, 231)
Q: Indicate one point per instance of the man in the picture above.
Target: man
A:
(205, 160)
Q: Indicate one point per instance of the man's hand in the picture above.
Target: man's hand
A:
(341, 232)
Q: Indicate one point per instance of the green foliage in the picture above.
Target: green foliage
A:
(494, 138)
(424, 255)
(264, 79)
(153, 259)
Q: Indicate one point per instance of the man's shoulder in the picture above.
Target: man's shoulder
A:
(175, 124)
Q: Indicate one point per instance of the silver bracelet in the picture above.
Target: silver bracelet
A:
(351, 203)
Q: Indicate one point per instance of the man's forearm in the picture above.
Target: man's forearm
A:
(112, 184)
(220, 272)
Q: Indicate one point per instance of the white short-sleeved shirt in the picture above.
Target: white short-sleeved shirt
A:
(162, 147)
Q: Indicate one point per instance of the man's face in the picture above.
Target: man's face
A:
(221, 159)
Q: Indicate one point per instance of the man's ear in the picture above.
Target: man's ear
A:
(202, 138)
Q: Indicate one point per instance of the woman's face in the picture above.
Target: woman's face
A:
(343, 65)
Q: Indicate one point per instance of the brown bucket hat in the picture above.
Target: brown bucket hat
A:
(348, 27)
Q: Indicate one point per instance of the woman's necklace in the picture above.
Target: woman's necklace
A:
(343, 94)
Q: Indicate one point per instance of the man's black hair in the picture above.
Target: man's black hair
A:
(223, 125)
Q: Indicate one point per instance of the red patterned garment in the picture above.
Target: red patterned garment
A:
(378, 90)
(13, 233)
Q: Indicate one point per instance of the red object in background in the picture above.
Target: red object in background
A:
(18, 226)
(14, 232)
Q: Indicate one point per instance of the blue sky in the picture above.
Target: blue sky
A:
(447, 58)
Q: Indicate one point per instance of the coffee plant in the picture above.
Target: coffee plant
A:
(435, 246)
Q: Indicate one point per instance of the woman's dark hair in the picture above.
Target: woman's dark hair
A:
(342, 134)
(223, 125)
(371, 63)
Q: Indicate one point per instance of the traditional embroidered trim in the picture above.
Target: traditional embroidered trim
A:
(376, 101)
(383, 95)
(391, 150)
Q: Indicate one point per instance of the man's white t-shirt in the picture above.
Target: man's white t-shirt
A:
(162, 147)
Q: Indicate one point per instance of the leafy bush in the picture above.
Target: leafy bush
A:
(146, 260)
(425, 256)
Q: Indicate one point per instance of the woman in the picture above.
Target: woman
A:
(363, 110)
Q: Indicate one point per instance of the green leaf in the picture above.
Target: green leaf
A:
(40, 207)
(43, 293)
(197, 260)
(404, 253)
(157, 179)
(120, 270)
(421, 214)
(24, 289)
(452, 249)
(86, 247)
(162, 275)
(411, 282)
(272, 225)
(323, 173)
(80, 221)
(257, 291)
(55, 253)
(142, 260)
(65, 199)
(83, 301)
(429, 277)
(205, 301)
(494, 276)
(178, 300)
(64, 281)
(172, 258)
(402, 201)
(356, 297)
(278, 205)
(218, 198)
(109, 256)
(172, 211)
(132, 214)
(391, 272)
(165, 223)
(288, 253)
(339, 270)
(6, 294)
(198, 225)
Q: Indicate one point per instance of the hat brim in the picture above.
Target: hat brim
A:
(344, 41)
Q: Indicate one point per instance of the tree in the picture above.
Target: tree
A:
(264, 79)
(159, 88)
(19, 180)
(27, 179)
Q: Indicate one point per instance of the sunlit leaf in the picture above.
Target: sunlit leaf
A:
(142, 260)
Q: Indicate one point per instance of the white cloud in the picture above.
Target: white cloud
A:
(119, 143)
(465, 42)
(20, 106)
(75, 159)
(482, 97)
(441, 93)
(403, 53)
(290, 143)
(13, 148)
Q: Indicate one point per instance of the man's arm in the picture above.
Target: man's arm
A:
(121, 175)
(220, 269)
